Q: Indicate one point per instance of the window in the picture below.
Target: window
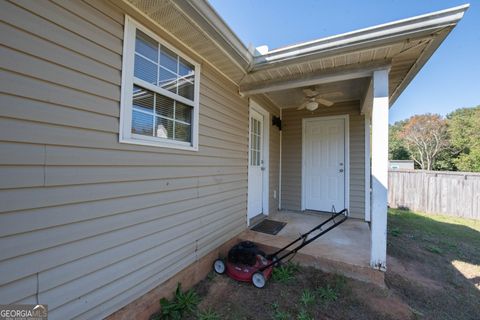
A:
(160, 92)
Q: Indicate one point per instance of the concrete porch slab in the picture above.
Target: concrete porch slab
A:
(344, 250)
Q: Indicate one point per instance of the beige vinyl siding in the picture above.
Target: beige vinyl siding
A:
(292, 155)
(274, 152)
(87, 224)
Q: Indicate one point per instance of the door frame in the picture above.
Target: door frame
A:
(346, 119)
(266, 156)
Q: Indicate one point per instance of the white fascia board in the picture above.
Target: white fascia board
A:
(377, 35)
(217, 29)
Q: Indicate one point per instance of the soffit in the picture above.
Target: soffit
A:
(173, 18)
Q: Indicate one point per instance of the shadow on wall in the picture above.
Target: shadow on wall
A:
(434, 264)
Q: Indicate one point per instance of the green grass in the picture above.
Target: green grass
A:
(285, 273)
(182, 303)
(279, 314)
(208, 314)
(303, 315)
(327, 293)
(307, 298)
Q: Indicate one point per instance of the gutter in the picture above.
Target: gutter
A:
(377, 35)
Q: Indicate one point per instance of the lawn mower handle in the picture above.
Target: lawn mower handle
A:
(304, 239)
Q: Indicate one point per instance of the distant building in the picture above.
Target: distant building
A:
(401, 165)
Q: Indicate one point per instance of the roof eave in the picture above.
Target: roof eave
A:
(377, 35)
(205, 16)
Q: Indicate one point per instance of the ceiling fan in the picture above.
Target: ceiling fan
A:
(313, 99)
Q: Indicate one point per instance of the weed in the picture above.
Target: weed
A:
(434, 249)
(208, 314)
(285, 273)
(307, 298)
(182, 302)
(327, 293)
(303, 315)
(339, 282)
(281, 315)
(278, 314)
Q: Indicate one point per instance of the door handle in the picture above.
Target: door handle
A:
(262, 168)
(341, 170)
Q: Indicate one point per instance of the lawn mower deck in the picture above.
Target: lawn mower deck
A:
(247, 263)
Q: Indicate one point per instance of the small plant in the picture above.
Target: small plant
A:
(434, 249)
(208, 314)
(278, 314)
(186, 301)
(307, 298)
(327, 293)
(339, 282)
(281, 315)
(182, 302)
(285, 273)
(303, 315)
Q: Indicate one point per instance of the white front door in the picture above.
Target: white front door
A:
(324, 162)
(255, 165)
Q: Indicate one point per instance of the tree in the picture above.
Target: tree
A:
(397, 149)
(464, 131)
(425, 137)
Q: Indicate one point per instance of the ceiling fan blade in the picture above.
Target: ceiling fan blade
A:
(303, 105)
(325, 102)
(309, 92)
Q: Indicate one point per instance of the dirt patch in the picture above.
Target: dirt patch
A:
(382, 301)
(331, 297)
(410, 270)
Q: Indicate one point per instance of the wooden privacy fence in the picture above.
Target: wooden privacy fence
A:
(448, 193)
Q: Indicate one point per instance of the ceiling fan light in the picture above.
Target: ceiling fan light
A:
(311, 105)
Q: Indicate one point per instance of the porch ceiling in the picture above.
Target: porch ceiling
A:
(339, 91)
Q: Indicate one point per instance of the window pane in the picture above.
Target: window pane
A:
(164, 128)
(145, 70)
(142, 99)
(146, 46)
(164, 106)
(168, 80)
(185, 89)
(183, 112)
(185, 68)
(168, 59)
(142, 123)
(182, 132)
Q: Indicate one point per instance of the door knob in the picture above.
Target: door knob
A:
(341, 170)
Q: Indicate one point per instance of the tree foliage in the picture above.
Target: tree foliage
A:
(425, 137)
(396, 144)
(436, 143)
(464, 131)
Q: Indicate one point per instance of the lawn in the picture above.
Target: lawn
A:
(433, 273)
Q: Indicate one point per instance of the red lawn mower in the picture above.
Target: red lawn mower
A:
(246, 262)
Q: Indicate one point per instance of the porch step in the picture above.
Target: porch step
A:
(311, 256)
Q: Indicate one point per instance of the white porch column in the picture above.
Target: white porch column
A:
(379, 112)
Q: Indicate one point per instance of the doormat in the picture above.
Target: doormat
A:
(269, 226)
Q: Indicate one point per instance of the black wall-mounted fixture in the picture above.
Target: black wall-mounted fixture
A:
(276, 121)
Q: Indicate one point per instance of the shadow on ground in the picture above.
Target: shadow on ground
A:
(434, 264)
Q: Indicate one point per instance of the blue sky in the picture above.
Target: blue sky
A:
(450, 79)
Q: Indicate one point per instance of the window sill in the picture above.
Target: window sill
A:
(160, 144)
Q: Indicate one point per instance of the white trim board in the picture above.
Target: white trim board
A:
(266, 154)
(346, 118)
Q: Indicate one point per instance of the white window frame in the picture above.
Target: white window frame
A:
(126, 103)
